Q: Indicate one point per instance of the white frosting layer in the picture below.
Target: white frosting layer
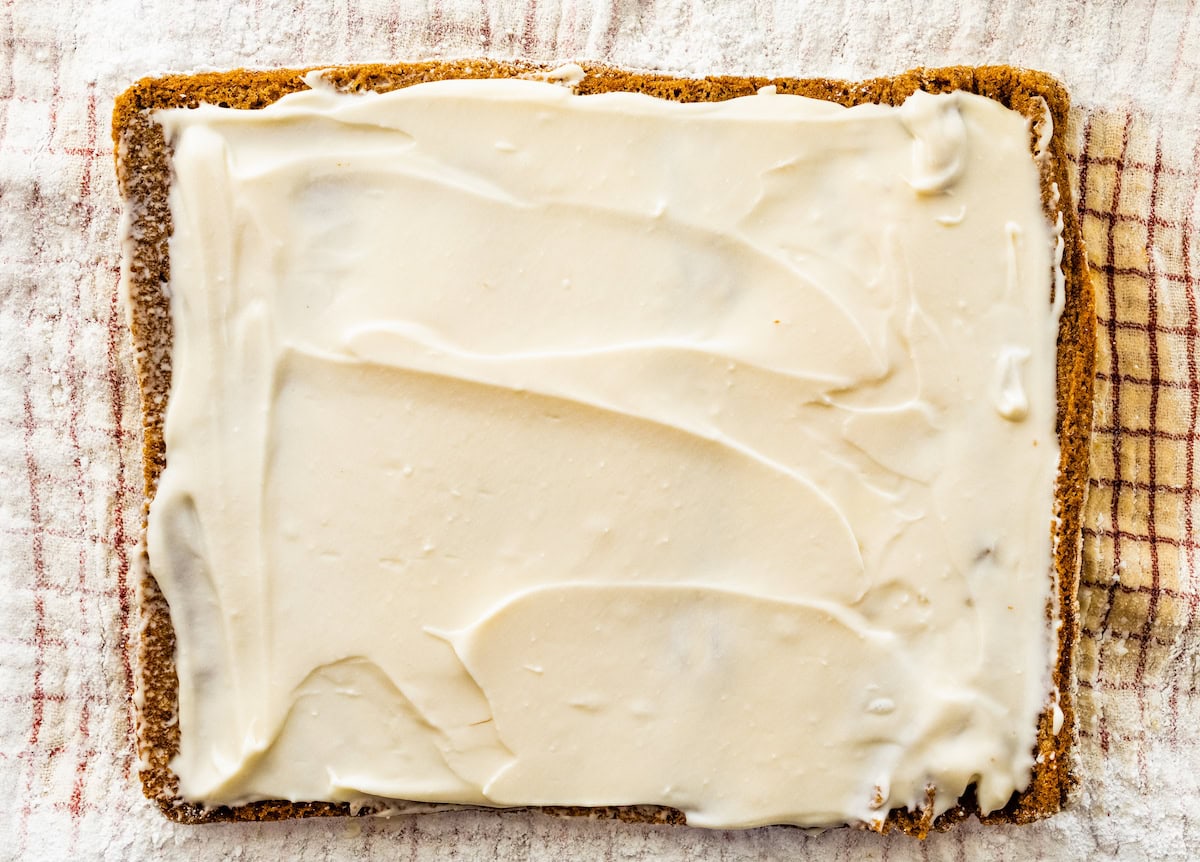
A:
(527, 448)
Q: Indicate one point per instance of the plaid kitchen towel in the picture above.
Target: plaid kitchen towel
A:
(70, 498)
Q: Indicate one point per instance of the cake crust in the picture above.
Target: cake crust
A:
(144, 175)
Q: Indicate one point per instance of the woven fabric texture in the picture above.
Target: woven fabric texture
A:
(70, 495)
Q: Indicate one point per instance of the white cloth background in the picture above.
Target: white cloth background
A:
(70, 469)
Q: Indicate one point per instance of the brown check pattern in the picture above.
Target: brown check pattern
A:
(1139, 593)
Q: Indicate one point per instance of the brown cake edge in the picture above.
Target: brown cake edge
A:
(143, 174)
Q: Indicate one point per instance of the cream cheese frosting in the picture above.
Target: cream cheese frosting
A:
(533, 448)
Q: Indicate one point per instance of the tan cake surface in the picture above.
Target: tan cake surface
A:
(144, 175)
